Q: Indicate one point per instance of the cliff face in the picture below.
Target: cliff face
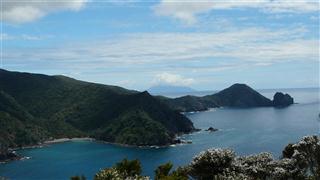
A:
(35, 107)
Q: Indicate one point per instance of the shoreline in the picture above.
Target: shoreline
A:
(48, 142)
(40, 145)
(61, 140)
(144, 146)
(177, 141)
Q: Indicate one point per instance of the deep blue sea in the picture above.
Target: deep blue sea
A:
(246, 131)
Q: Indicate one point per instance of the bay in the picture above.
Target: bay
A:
(246, 131)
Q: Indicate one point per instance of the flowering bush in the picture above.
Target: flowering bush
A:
(306, 154)
(212, 162)
(299, 161)
(257, 166)
(108, 174)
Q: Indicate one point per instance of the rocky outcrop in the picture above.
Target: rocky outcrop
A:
(211, 129)
(282, 100)
(8, 156)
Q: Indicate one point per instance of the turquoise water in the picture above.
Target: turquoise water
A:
(245, 130)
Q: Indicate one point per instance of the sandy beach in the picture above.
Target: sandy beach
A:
(60, 140)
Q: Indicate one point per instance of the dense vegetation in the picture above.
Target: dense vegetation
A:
(237, 95)
(35, 107)
(299, 161)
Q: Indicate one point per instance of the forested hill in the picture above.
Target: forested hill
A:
(237, 95)
(35, 107)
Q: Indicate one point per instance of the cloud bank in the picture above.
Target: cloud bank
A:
(253, 45)
(19, 11)
(172, 79)
(187, 11)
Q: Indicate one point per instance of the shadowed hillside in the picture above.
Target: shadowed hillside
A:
(37, 107)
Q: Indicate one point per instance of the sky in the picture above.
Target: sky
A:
(206, 45)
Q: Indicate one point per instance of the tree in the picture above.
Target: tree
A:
(163, 170)
(129, 168)
(123, 170)
(163, 173)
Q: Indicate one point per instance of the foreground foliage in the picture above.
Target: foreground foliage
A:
(299, 161)
(125, 169)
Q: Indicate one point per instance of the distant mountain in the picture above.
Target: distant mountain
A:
(237, 95)
(162, 89)
(36, 107)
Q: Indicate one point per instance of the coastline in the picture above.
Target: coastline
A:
(62, 140)
(182, 142)
(46, 143)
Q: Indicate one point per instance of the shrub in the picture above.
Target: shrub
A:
(163, 173)
(129, 168)
(212, 162)
(124, 170)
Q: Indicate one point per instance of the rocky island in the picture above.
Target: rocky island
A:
(211, 129)
(282, 100)
(237, 95)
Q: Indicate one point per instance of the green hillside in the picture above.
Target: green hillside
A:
(35, 107)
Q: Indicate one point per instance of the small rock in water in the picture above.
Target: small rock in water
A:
(177, 141)
(211, 129)
(8, 156)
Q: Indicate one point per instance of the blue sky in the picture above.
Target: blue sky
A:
(206, 45)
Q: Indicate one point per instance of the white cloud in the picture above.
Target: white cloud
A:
(27, 37)
(187, 11)
(19, 11)
(162, 50)
(5, 36)
(172, 79)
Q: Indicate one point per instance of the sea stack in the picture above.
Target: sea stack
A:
(282, 100)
